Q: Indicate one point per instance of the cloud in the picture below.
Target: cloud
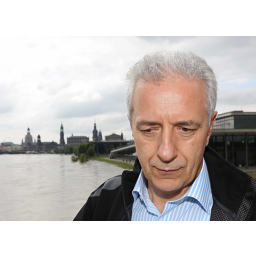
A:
(5, 109)
(53, 87)
(170, 39)
(237, 99)
(240, 80)
(6, 103)
(46, 80)
(111, 101)
(228, 56)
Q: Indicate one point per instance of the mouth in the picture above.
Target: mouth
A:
(167, 171)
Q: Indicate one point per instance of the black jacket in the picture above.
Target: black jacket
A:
(234, 193)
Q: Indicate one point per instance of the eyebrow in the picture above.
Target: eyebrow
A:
(188, 123)
(144, 122)
(185, 123)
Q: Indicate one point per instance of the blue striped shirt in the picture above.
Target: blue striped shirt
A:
(195, 205)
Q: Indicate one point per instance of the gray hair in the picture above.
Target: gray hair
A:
(160, 65)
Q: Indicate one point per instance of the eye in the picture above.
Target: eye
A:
(150, 131)
(184, 129)
(147, 131)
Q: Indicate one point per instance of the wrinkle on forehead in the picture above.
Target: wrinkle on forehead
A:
(170, 97)
(173, 98)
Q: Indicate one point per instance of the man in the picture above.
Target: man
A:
(171, 101)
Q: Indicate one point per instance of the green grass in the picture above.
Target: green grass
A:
(119, 164)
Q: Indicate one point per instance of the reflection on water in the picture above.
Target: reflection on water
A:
(48, 187)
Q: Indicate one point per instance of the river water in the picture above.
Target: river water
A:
(48, 187)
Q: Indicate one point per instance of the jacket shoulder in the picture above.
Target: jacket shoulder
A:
(232, 189)
(110, 184)
(100, 200)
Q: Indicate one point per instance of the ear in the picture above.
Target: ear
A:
(211, 127)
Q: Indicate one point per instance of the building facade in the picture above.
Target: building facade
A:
(45, 146)
(234, 137)
(114, 137)
(38, 146)
(9, 146)
(75, 141)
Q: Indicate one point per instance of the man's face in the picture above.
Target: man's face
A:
(170, 130)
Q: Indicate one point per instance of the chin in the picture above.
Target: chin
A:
(169, 185)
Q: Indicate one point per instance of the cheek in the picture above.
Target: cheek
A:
(192, 149)
(145, 149)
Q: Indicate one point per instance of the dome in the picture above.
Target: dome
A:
(28, 138)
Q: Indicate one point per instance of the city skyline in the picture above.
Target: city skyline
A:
(49, 80)
(66, 136)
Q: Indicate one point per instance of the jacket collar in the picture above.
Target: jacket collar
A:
(228, 183)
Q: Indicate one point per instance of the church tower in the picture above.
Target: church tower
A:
(100, 136)
(39, 146)
(94, 133)
(28, 138)
(62, 141)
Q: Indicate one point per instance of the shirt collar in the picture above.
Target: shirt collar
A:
(140, 187)
(200, 189)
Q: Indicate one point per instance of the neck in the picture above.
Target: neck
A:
(159, 197)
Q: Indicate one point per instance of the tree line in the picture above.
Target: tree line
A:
(82, 153)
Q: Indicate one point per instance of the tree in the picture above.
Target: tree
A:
(74, 158)
(71, 150)
(75, 150)
(88, 145)
(82, 149)
(66, 150)
(56, 150)
(83, 158)
(91, 152)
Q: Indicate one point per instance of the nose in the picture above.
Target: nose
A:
(167, 150)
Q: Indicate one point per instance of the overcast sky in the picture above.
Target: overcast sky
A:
(48, 80)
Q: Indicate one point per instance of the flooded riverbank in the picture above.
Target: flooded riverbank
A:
(48, 187)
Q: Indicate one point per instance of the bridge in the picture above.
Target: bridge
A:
(127, 149)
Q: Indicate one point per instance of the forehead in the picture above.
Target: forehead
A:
(172, 98)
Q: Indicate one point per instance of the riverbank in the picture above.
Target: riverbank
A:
(117, 163)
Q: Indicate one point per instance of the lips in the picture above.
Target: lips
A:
(167, 171)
